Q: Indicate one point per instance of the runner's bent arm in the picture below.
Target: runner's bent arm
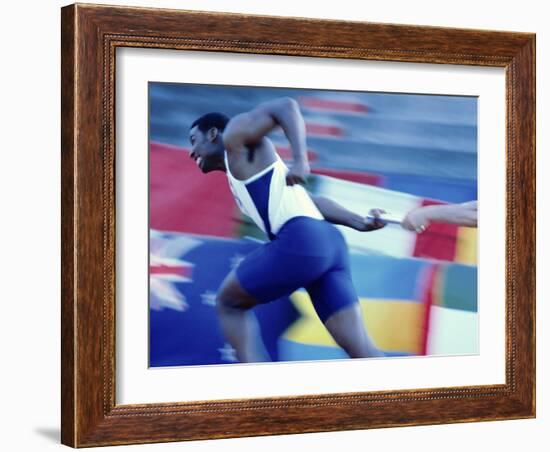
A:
(337, 214)
(249, 128)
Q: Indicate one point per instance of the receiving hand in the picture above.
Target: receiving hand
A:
(416, 220)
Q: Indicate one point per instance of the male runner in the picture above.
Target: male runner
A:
(304, 249)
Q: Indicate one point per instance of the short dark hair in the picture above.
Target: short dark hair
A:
(209, 120)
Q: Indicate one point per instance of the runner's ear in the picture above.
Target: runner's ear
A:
(212, 133)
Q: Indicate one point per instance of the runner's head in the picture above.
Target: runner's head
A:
(205, 135)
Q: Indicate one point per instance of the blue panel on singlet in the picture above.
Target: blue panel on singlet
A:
(259, 192)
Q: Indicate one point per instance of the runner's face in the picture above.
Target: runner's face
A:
(205, 149)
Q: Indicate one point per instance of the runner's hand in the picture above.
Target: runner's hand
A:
(298, 173)
(372, 224)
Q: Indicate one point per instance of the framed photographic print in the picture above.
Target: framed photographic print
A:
(280, 225)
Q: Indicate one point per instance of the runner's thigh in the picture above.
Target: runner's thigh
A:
(270, 272)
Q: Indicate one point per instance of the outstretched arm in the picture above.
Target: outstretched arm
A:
(337, 214)
(464, 214)
(249, 128)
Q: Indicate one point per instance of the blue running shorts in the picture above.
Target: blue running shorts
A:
(308, 253)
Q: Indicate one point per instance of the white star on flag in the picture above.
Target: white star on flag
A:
(228, 353)
(208, 298)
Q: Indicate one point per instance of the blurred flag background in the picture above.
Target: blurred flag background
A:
(392, 151)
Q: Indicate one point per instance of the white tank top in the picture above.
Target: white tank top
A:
(268, 201)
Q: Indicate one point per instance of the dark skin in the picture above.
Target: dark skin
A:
(248, 131)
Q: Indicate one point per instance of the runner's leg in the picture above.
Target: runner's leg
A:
(337, 305)
(238, 322)
(347, 328)
(266, 274)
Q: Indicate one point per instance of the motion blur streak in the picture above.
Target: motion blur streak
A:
(394, 151)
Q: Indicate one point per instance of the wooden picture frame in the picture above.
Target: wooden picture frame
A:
(90, 36)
